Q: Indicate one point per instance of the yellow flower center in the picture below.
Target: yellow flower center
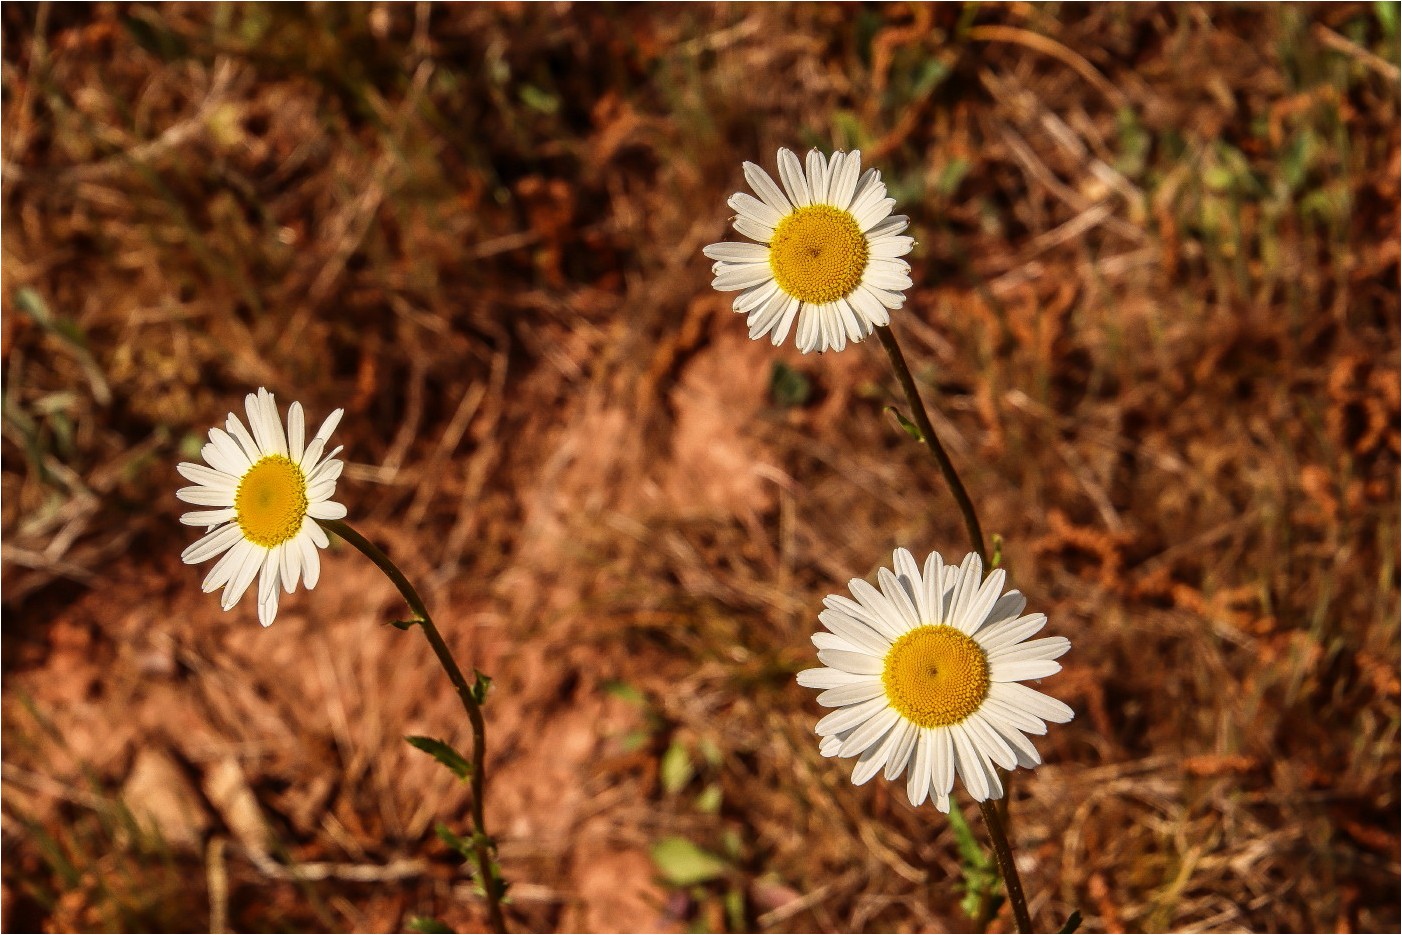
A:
(818, 254)
(271, 501)
(936, 676)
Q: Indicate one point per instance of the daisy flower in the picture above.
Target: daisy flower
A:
(828, 255)
(267, 489)
(925, 673)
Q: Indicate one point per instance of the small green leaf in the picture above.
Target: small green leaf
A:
(444, 754)
(460, 844)
(427, 924)
(1073, 922)
(787, 387)
(910, 427)
(709, 801)
(481, 684)
(625, 692)
(405, 624)
(684, 864)
(997, 558)
(676, 768)
(735, 909)
(980, 877)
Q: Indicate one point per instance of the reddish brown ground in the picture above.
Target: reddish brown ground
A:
(1156, 309)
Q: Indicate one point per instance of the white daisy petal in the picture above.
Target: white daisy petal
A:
(891, 247)
(311, 561)
(737, 252)
(989, 743)
(243, 576)
(885, 279)
(1008, 607)
(317, 535)
(229, 562)
(968, 763)
(328, 469)
(869, 307)
(1009, 632)
(870, 181)
(847, 661)
(234, 426)
(852, 694)
(877, 212)
(791, 174)
(884, 616)
(966, 588)
(741, 276)
(828, 678)
(1034, 702)
(918, 784)
(268, 575)
(817, 177)
(748, 206)
(208, 517)
(887, 298)
(296, 432)
(206, 496)
(844, 182)
(911, 581)
(206, 477)
(854, 631)
(321, 490)
(1051, 647)
(1022, 670)
(902, 748)
(753, 229)
(781, 330)
(900, 600)
(230, 451)
(291, 566)
(941, 762)
(267, 609)
(253, 405)
(326, 509)
(851, 716)
(871, 731)
(893, 225)
(765, 188)
(211, 545)
(982, 602)
(824, 640)
(873, 758)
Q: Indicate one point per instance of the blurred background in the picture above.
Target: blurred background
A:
(1156, 308)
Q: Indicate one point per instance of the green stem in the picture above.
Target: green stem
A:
(469, 702)
(927, 432)
(1004, 853)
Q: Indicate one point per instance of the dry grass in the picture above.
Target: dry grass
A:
(1156, 307)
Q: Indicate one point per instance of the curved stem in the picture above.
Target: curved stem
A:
(1006, 867)
(927, 431)
(469, 702)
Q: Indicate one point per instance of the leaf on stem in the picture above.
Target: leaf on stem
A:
(455, 841)
(427, 924)
(910, 427)
(444, 754)
(684, 864)
(481, 684)
(977, 866)
(405, 624)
